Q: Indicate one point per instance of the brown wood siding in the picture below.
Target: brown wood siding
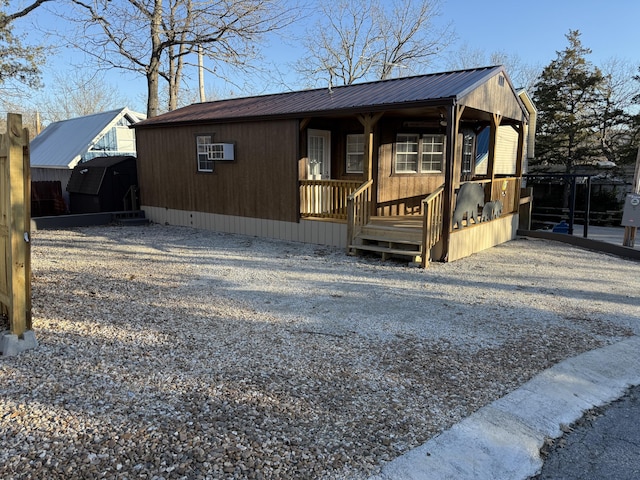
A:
(400, 194)
(260, 183)
(493, 97)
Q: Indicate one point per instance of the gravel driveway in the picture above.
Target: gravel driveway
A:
(168, 352)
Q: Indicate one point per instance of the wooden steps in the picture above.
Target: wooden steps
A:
(130, 217)
(389, 241)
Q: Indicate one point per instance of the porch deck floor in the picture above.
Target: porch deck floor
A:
(406, 222)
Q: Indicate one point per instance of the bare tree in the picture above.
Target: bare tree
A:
(372, 40)
(154, 39)
(78, 94)
(615, 133)
(7, 18)
(522, 74)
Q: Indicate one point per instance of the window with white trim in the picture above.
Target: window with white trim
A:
(209, 152)
(407, 153)
(417, 153)
(432, 153)
(355, 153)
(468, 154)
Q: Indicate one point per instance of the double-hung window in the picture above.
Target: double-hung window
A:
(417, 153)
(432, 153)
(407, 153)
(355, 153)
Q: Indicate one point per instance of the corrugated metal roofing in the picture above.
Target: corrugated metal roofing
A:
(396, 92)
(61, 144)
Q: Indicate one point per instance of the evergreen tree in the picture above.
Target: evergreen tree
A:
(568, 96)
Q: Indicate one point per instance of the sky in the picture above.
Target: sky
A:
(536, 29)
(533, 31)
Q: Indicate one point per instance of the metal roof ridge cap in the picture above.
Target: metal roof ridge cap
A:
(489, 73)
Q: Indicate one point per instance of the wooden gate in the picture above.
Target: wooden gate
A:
(15, 227)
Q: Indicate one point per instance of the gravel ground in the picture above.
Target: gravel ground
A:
(169, 352)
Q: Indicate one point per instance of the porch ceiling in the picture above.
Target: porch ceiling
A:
(421, 112)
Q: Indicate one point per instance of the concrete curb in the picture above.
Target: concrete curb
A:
(588, 243)
(503, 439)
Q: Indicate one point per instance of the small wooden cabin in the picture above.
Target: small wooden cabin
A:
(374, 166)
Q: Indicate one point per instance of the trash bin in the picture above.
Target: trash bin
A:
(562, 227)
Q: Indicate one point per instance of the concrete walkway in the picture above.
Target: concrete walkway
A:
(503, 439)
(613, 235)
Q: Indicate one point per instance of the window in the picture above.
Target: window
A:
(410, 147)
(209, 152)
(406, 153)
(355, 153)
(432, 153)
(468, 154)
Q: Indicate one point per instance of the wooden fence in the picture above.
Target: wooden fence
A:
(15, 227)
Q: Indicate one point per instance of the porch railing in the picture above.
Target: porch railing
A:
(130, 201)
(432, 211)
(507, 190)
(325, 198)
(358, 210)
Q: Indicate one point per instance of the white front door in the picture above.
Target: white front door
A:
(319, 154)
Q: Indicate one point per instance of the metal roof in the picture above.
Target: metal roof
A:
(61, 144)
(87, 177)
(399, 92)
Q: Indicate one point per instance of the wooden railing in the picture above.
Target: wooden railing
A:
(130, 201)
(325, 198)
(432, 211)
(507, 190)
(358, 210)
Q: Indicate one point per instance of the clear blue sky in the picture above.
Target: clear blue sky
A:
(532, 30)
(536, 29)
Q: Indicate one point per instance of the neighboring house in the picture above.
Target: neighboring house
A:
(64, 144)
(323, 166)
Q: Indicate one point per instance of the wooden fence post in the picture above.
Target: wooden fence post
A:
(15, 233)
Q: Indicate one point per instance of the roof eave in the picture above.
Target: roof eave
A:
(314, 113)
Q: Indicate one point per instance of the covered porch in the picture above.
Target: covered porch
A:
(419, 237)
(434, 180)
(413, 215)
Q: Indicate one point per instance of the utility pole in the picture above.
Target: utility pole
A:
(201, 73)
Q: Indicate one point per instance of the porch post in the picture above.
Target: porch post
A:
(493, 140)
(519, 166)
(369, 121)
(454, 112)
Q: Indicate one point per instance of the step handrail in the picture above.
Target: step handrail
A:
(432, 211)
(358, 210)
(130, 198)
